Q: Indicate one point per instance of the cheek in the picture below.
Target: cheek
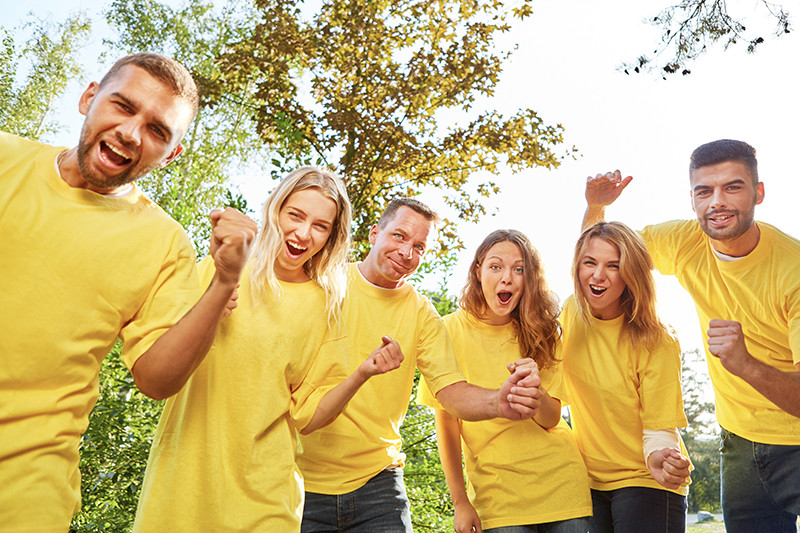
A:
(321, 239)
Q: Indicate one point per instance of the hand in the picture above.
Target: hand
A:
(232, 303)
(604, 189)
(232, 235)
(726, 341)
(466, 519)
(387, 357)
(519, 396)
(669, 467)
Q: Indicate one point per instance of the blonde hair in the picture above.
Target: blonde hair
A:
(535, 319)
(326, 267)
(638, 299)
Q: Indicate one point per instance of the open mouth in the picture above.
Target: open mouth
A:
(113, 154)
(596, 290)
(504, 296)
(295, 249)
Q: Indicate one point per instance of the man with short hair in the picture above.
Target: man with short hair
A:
(744, 278)
(86, 258)
(353, 467)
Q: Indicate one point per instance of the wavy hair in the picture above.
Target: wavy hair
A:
(638, 299)
(535, 319)
(326, 267)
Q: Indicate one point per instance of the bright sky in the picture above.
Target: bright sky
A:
(565, 68)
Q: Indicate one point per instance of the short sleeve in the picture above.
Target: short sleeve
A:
(175, 290)
(435, 357)
(328, 369)
(660, 387)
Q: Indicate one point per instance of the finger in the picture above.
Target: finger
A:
(215, 216)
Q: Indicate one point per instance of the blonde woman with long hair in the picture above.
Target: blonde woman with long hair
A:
(523, 476)
(623, 374)
(223, 456)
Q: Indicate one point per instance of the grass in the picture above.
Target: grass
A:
(704, 527)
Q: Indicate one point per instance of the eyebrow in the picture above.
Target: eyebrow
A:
(170, 132)
(737, 181)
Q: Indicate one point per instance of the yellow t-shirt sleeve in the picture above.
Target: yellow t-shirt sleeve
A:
(426, 397)
(328, 370)
(660, 388)
(175, 291)
(793, 314)
(435, 357)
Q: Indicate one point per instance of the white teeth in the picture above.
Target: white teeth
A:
(297, 245)
(596, 287)
(116, 151)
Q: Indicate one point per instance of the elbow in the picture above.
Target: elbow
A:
(153, 388)
(154, 393)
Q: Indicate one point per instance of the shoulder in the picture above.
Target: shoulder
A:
(15, 150)
(673, 229)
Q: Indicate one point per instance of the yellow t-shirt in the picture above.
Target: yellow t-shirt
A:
(616, 391)
(760, 290)
(518, 473)
(78, 269)
(223, 456)
(365, 438)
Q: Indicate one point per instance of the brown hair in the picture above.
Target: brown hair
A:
(722, 151)
(396, 203)
(163, 68)
(535, 318)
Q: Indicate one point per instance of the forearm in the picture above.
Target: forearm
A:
(448, 439)
(781, 388)
(469, 402)
(593, 214)
(549, 413)
(334, 401)
(163, 369)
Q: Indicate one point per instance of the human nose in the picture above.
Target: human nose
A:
(717, 199)
(130, 131)
(303, 231)
(407, 250)
(599, 273)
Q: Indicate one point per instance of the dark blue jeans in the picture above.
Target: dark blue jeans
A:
(637, 510)
(760, 485)
(381, 505)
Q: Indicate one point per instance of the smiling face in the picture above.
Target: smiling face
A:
(397, 248)
(724, 198)
(600, 279)
(134, 123)
(306, 219)
(502, 278)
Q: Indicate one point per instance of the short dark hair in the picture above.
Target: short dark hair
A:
(396, 203)
(163, 68)
(722, 151)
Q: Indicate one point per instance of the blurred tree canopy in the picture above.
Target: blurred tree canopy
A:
(690, 27)
(701, 436)
(49, 59)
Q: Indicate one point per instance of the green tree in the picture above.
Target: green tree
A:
(50, 58)
(690, 27)
(223, 140)
(431, 508)
(379, 90)
(701, 436)
(114, 450)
